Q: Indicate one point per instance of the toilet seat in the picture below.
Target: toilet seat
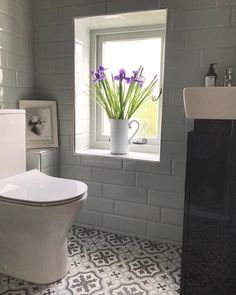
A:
(38, 189)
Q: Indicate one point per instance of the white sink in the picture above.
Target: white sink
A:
(210, 102)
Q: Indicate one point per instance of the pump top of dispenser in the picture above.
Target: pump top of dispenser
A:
(211, 70)
(229, 70)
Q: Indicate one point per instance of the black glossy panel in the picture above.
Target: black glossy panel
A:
(209, 244)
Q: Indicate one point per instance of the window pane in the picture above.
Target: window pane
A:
(130, 55)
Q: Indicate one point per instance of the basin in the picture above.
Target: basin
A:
(210, 102)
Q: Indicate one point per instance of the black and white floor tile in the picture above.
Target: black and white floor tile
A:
(104, 263)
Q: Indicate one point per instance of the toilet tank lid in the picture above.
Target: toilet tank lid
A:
(11, 111)
(35, 186)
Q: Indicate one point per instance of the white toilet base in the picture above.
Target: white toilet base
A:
(33, 240)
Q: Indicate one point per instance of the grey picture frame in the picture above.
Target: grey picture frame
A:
(41, 123)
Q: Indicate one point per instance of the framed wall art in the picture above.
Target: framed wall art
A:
(41, 123)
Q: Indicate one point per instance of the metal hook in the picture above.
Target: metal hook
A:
(143, 141)
(155, 98)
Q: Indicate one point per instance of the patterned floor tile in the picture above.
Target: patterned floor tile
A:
(104, 263)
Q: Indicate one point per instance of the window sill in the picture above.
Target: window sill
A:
(151, 157)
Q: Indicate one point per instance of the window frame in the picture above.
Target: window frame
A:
(96, 38)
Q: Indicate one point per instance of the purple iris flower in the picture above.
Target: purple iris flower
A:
(99, 75)
(136, 78)
(121, 76)
(101, 69)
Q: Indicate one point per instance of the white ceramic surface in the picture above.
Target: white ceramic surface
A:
(12, 142)
(120, 135)
(36, 210)
(34, 233)
(34, 186)
(210, 102)
(34, 240)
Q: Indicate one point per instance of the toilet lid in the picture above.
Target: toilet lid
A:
(34, 187)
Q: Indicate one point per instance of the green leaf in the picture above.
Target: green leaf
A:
(120, 101)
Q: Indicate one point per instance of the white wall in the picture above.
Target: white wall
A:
(16, 52)
(135, 197)
(82, 80)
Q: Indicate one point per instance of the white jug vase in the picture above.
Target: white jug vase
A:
(119, 135)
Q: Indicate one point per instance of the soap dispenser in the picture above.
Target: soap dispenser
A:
(211, 76)
(228, 77)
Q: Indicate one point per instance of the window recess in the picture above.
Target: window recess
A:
(126, 41)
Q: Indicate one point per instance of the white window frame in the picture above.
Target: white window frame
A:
(97, 37)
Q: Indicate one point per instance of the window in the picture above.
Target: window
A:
(126, 41)
(130, 49)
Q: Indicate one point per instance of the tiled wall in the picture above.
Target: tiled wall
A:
(132, 196)
(16, 51)
(82, 80)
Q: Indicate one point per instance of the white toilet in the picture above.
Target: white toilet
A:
(36, 210)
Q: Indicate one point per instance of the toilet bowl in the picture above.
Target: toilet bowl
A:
(36, 212)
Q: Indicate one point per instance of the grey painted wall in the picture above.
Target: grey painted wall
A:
(135, 197)
(16, 51)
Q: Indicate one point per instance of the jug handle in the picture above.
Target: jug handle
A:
(135, 132)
